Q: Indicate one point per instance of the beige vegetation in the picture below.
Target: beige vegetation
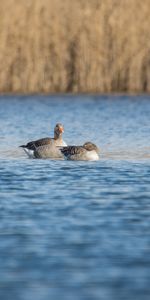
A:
(74, 46)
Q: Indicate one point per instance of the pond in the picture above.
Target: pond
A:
(72, 229)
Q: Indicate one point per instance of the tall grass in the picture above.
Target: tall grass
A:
(74, 46)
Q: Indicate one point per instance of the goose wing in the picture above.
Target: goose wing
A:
(72, 150)
(33, 145)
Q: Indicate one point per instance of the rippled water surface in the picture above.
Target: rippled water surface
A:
(75, 230)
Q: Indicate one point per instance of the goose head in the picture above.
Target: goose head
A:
(58, 131)
(91, 147)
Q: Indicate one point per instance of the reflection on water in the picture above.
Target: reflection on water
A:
(75, 230)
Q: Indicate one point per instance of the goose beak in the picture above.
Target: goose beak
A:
(61, 129)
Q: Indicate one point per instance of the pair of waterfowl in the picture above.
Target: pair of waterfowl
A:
(57, 148)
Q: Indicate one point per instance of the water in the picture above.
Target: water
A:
(75, 230)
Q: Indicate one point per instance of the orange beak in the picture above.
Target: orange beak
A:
(61, 129)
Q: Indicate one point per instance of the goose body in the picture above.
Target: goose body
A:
(46, 147)
(88, 151)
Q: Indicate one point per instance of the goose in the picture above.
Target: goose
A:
(46, 147)
(88, 151)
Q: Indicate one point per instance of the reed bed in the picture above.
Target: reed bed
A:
(81, 46)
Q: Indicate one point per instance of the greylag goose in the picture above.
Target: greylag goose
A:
(46, 147)
(88, 151)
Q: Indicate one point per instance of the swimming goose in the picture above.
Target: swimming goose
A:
(88, 151)
(46, 147)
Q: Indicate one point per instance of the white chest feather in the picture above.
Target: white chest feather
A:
(64, 144)
(92, 155)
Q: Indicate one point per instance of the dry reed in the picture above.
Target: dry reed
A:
(74, 46)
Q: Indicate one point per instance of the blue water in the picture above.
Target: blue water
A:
(75, 230)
